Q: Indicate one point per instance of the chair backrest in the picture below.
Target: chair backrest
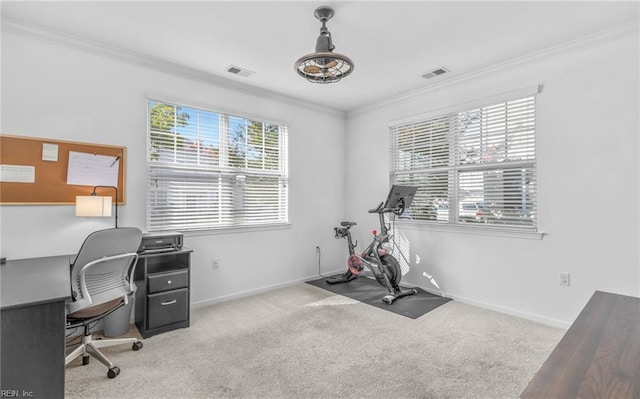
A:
(102, 270)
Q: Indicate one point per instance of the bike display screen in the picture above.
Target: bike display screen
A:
(400, 196)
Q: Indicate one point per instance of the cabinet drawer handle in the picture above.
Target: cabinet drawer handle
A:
(169, 302)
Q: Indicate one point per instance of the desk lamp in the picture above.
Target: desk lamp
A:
(96, 206)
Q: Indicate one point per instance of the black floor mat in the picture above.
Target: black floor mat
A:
(368, 291)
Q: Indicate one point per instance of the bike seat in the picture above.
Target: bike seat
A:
(347, 224)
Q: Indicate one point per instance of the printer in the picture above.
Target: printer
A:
(160, 242)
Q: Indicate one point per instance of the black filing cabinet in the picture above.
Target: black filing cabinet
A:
(162, 297)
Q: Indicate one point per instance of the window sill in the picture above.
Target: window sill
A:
(484, 230)
(236, 229)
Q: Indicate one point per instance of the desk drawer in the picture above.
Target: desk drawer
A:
(167, 281)
(167, 308)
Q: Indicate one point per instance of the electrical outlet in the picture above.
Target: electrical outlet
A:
(215, 263)
(563, 278)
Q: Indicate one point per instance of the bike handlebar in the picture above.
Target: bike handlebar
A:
(377, 209)
(380, 209)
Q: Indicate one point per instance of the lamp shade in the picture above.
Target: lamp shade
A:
(93, 205)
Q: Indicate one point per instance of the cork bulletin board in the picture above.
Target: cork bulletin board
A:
(37, 171)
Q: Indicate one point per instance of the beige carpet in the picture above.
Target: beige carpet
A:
(305, 342)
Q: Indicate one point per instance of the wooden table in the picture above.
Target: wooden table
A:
(598, 357)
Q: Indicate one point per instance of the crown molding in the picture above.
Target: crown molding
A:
(32, 31)
(596, 39)
(36, 32)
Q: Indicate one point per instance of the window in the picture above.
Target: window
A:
(475, 167)
(209, 170)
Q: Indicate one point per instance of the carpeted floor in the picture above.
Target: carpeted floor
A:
(306, 342)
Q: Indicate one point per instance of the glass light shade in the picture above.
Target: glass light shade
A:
(93, 205)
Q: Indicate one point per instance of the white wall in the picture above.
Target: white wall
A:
(52, 91)
(587, 149)
(589, 181)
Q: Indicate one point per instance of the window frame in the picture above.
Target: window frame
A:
(221, 169)
(453, 224)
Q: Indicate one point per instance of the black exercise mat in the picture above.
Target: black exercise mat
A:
(368, 291)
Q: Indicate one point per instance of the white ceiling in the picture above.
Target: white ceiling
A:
(392, 43)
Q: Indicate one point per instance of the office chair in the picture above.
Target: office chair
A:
(101, 283)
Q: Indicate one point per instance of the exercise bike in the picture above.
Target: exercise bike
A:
(377, 256)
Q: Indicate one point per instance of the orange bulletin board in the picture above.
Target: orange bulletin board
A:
(36, 171)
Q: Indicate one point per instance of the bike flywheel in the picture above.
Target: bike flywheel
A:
(355, 264)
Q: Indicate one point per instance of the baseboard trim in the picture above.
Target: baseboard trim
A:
(500, 309)
(256, 291)
(512, 312)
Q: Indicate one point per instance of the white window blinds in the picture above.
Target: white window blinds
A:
(210, 170)
(476, 166)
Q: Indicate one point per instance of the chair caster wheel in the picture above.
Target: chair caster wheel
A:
(414, 291)
(137, 346)
(113, 372)
(85, 360)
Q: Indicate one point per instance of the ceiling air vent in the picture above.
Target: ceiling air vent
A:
(239, 71)
(435, 72)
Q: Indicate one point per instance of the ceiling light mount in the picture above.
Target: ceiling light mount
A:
(323, 14)
(324, 66)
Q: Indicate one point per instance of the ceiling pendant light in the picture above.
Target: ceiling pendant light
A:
(324, 66)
